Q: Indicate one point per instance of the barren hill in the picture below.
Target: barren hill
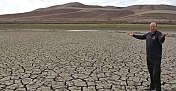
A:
(80, 13)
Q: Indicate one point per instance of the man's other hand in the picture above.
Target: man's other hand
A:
(164, 35)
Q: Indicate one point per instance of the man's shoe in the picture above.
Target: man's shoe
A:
(149, 89)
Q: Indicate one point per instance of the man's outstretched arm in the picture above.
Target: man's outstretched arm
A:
(137, 36)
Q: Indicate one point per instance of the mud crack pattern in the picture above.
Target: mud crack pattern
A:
(79, 61)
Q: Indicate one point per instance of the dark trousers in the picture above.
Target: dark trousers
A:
(154, 68)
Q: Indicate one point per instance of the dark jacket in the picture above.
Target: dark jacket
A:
(153, 43)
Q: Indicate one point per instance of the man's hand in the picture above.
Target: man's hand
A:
(164, 35)
(131, 34)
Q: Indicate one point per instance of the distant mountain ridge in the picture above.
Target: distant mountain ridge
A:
(73, 4)
(76, 12)
(150, 7)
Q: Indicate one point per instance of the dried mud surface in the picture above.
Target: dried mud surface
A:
(79, 61)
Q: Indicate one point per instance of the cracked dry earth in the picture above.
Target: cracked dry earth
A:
(79, 61)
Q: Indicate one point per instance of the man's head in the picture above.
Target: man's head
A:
(153, 27)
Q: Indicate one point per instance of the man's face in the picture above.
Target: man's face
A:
(153, 27)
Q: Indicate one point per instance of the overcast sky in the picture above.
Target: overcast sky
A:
(20, 6)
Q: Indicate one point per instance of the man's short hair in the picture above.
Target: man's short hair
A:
(154, 23)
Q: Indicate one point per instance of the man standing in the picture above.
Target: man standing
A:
(154, 40)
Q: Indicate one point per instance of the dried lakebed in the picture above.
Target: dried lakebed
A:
(79, 61)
